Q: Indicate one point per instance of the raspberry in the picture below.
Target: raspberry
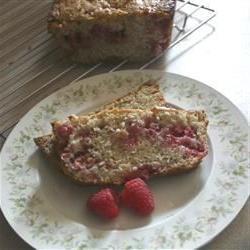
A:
(137, 196)
(64, 130)
(104, 203)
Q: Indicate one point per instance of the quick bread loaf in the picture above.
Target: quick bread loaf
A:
(91, 31)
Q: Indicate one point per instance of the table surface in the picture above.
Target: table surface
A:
(217, 54)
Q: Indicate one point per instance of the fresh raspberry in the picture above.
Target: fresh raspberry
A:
(137, 196)
(104, 203)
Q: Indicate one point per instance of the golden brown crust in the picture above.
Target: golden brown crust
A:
(45, 143)
(201, 115)
(145, 97)
(75, 10)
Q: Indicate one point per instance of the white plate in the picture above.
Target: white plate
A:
(48, 211)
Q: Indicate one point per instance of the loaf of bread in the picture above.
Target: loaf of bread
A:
(113, 146)
(91, 31)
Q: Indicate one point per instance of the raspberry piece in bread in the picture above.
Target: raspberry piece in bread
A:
(91, 31)
(114, 146)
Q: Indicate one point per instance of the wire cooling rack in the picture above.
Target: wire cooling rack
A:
(31, 66)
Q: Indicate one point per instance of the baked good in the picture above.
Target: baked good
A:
(113, 146)
(146, 96)
(91, 31)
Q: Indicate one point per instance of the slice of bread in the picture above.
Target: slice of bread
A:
(146, 96)
(115, 145)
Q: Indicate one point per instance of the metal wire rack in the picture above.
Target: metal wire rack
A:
(31, 66)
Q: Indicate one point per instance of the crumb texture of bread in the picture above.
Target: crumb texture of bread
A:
(93, 31)
(113, 146)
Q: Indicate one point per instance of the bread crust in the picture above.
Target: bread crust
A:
(149, 89)
(77, 10)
